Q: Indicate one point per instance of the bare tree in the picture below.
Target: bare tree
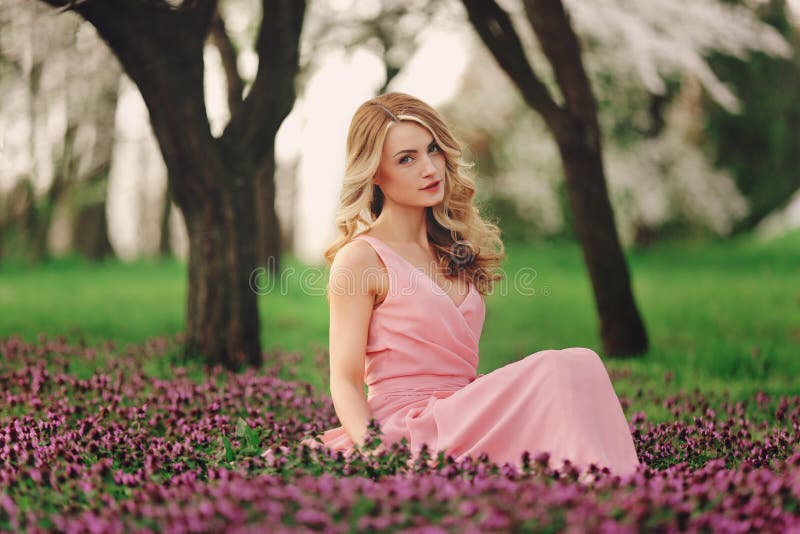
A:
(97, 105)
(268, 230)
(214, 181)
(388, 30)
(574, 125)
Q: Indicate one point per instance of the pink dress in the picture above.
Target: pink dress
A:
(420, 368)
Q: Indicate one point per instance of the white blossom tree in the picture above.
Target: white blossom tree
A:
(569, 108)
(656, 169)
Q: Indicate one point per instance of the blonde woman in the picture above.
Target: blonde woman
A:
(409, 274)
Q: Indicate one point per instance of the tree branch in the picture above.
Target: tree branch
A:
(144, 21)
(161, 50)
(495, 29)
(277, 46)
(219, 36)
(562, 48)
(67, 5)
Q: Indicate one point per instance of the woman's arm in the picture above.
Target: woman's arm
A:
(351, 293)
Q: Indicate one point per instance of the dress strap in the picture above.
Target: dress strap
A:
(380, 249)
(391, 264)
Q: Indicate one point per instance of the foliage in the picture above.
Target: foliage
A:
(760, 145)
(644, 60)
(720, 312)
(667, 179)
(653, 182)
(662, 39)
(111, 438)
(116, 450)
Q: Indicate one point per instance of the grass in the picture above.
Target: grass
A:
(718, 314)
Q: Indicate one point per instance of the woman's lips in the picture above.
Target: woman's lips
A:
(432, 187)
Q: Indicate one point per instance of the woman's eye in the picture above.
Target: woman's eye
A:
(433, 148)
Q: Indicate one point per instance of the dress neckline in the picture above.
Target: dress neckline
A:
(444, 293)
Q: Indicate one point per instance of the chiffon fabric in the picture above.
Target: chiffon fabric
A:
(420, 369)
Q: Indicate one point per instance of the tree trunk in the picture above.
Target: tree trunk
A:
(215, 193)
(574, 126)
(164, 235)
(36, 222)
(90, 237)
(222, 310)
(90, 225)
(621, 327)
(269, 228)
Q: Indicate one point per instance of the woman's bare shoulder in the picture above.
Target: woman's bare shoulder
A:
(356, 255)
(355, 266)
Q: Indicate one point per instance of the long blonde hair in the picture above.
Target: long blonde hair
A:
(464, 243)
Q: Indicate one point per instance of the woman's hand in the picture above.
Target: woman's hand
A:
(373, 452)
(379, 449)
(370, 452)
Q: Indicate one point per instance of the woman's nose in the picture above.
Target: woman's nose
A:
(429, 168)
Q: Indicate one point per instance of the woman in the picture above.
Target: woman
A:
(407, 309)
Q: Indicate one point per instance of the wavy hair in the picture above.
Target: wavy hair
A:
(465, 244)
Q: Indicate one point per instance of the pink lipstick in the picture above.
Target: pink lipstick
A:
(432, 187)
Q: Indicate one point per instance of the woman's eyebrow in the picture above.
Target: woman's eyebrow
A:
(412, 150)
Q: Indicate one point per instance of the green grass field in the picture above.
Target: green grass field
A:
(718, 315)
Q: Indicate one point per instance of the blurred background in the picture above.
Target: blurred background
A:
(698, 141)
(698, 105)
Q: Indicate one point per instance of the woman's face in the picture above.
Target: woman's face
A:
(411, 160)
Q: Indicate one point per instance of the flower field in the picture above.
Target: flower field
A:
(105, 447)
